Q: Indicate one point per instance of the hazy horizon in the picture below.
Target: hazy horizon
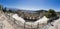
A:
(32, 4)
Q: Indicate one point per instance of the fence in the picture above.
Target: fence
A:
(19, 25)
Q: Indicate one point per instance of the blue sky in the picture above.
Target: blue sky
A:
(32, 4)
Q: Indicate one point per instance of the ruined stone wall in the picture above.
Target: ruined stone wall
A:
(27, 25)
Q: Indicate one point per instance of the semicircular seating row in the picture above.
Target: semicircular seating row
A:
(42, 20)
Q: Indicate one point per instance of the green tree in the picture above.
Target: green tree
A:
(0, 7)
(51, 13)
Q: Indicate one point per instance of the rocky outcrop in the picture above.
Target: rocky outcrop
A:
(4, 24)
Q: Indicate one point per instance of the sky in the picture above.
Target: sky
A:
(32, 4)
